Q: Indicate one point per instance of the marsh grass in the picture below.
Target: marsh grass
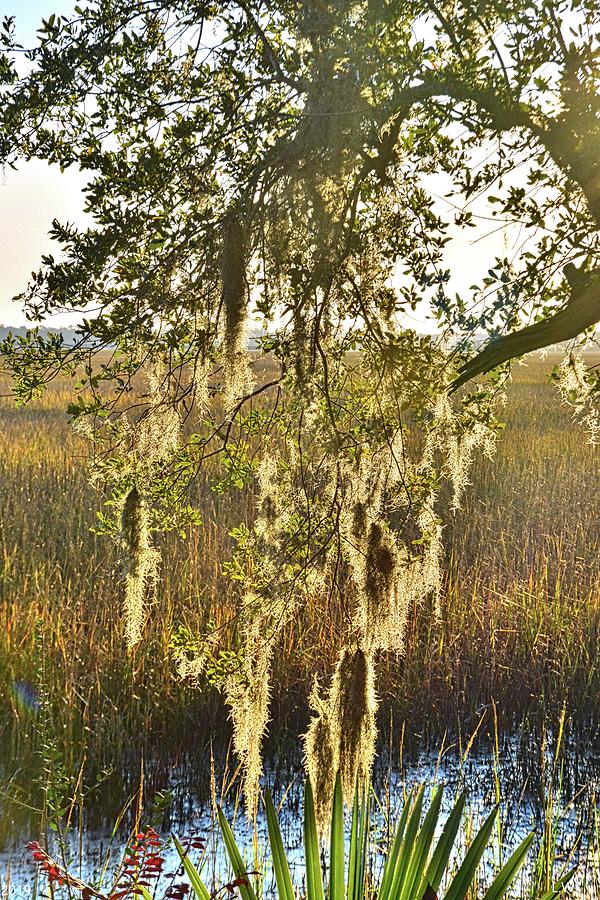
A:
(520, 608)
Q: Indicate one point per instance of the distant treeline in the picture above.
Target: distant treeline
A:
(69, 335)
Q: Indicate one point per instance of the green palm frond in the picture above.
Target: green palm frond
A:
(415, 866)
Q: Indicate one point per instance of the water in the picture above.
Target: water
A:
(525, 778)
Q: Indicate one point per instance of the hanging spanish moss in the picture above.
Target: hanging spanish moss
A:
(354, 706)
(200, 373)
(392, 538)
(301, 350)
(142, 565)
(320, 754)
(346, 498)
(575, 388)
(154, 438)
(457, 444)
(235, 309)
(380, 565)
(264, 609)
(342, 735)
(157, 434)
(247, 692)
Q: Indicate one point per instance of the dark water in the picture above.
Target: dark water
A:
(535, 789)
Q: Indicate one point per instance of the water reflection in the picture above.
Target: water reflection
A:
(535, 790)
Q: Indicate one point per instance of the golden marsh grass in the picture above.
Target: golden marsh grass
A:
(520, 619)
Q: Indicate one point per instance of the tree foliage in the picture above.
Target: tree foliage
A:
(282, 160)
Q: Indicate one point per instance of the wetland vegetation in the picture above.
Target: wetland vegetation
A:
(258, 530)
(514, 651)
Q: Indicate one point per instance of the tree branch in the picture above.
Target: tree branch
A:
(580, 313)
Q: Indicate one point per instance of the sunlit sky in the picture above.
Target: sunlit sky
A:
(32, 196)
(36, 193)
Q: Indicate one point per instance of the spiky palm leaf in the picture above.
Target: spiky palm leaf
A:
(414, 867)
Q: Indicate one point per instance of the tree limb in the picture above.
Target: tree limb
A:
(581, 312)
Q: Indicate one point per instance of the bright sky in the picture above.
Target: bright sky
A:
(31, 197)
(35, 194)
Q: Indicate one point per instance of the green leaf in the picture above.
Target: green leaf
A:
(314, 878)
(509, 870)
(464, 877)
(393, 854)
(280, 863)
(560, 885)
(235, 857)
(358, 847)
(441, 854)
(144, 892)
(336, 855)
(414, 877)
(353, 856)
(192, 872)
(408, 846)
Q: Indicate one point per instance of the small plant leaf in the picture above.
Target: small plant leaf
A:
(280, 863)
(392, 857)
(235, 857)
(336, 858)
(463, 879)
(314, 877)
(509, 870)
(560, 885)
(192, 872)
(441, 854)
